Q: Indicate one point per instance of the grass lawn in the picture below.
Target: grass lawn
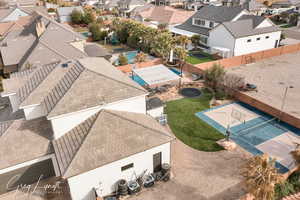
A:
(189, 128)
(286, 26)
(196, 60)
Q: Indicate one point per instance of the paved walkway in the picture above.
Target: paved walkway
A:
(200, 175)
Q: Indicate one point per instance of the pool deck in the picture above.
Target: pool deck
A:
(253, 133)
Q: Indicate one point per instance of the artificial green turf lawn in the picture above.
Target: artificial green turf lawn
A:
(190, 129)
(194, 60)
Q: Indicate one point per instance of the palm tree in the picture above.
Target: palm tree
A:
(261, 177)
(181, 55)
(162, 44)
(182, 40)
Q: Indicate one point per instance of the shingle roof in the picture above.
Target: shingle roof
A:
(106, 137)
(246, 27)
(188, 26)
(218, 13)
(24, 140)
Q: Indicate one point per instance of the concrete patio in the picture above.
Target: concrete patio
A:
(200, 175)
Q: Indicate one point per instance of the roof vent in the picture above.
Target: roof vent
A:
(65, 65)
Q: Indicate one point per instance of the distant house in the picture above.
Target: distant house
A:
(254, 7)
(64, 13)
(153, 15)
(231, 30)
(12, 14)
(127, 6)
(169, 2)
(41, 42)
(85, 123)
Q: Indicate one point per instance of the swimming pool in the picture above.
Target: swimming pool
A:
(176, 71)
(130, 55)
(138, 80)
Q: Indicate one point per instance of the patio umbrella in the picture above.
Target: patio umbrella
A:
(171, 56)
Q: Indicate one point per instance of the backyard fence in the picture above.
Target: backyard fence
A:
(243, 59)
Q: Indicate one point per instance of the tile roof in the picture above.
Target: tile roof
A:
(6, 27)
(115, 87)
(55, 44)
(106, 137)
(165, 14)
(24, 140)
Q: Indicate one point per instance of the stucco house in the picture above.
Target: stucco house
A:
(89, 135)
(43, 41)
(64, 13)
(152, 15)
(223, 29)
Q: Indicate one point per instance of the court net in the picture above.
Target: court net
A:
(270, 122)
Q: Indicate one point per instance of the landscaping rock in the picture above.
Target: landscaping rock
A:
(228, 145)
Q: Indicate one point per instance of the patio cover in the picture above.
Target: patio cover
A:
(180, 31)
(156, 74)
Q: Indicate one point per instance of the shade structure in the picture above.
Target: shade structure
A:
(156, 74)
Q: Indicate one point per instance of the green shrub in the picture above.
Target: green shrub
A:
(95, 31)
(123, 59)
(88, 18)
(289, 187)
(51, 10)
(76, 16)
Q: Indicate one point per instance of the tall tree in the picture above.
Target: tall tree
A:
(76, 16)
(182, 55)
(213, 76)
(261, 177)
(195, 40)
(182, 40)
(162, 44)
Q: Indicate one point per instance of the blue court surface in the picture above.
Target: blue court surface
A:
(255, 131)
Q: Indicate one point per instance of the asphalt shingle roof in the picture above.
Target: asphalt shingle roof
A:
(246, 27)
(106, 137)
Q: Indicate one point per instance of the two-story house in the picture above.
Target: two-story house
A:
(215, 23)
(85, 122)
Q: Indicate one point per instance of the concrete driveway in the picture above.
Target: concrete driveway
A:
(200, 176)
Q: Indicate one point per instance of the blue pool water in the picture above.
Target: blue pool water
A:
(138, 79)
(130, 57)
(253, 132)
(176, 71)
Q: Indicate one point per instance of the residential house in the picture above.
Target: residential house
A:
(246, 35)
(64, 13)
(254, 7)
(15, 12)
(193, 4)
(224, 29)
(6, 27)
(154, 15)
(169, 2)
(42, 42)
(126, 6)
(91, 135)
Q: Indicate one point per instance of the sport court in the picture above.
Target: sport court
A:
(255, 131)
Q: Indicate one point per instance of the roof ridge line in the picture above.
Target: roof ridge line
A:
(116, 80)
(158, 131)
(96, 115)
(55, 22)
(59, 84)
(55, 51)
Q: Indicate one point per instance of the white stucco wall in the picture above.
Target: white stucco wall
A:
(220, 37)
(64, 123)
(243, 47)
(31, 162)
(104, 178)
(14, 102)
(156, 112)
(33, 112)
(13, 16)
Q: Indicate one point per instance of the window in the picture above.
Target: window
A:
(249, 40)
(258, 38)
(199, 22)
(211, 24)
(127, 167)
(267, 37)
